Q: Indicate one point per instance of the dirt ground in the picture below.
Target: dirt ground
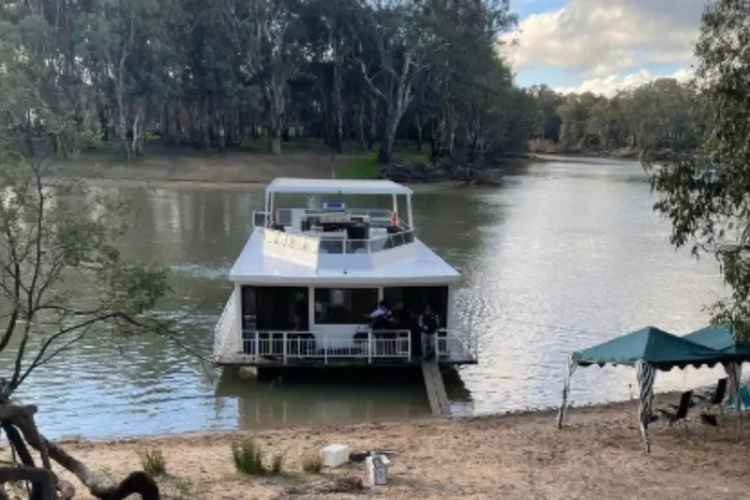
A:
(598, 454)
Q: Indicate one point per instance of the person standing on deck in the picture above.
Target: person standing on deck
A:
(382, 317)
(428, 325)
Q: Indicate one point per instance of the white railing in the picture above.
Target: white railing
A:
(321, 244)
(360, 246)
(378, 344)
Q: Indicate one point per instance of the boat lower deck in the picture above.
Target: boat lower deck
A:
(373, 348)
(235, 345)
(273, 361)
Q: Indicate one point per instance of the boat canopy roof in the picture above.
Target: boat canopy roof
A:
(335, 186)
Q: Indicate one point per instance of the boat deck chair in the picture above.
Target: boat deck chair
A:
(680, 412)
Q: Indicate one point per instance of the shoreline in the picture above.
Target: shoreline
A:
(234, 170)
(598, 454)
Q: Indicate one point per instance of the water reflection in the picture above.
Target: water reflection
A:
(334, 398)
(566, 254)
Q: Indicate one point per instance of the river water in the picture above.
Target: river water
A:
(566, 254)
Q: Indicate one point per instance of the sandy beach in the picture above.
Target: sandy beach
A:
(598, 454)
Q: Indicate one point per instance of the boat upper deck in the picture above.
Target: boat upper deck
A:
(263, 259)
(332, 231)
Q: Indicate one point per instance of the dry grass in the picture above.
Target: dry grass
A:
(153, 462)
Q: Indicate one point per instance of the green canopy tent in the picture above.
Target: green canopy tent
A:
(721, 338)
(648, 350)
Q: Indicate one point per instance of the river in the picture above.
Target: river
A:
(566, 254)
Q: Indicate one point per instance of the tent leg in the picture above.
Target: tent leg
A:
(646, 374)
(734, 373)
(566, 388)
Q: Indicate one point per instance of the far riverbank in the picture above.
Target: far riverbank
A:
(597, 455)
(182, 166)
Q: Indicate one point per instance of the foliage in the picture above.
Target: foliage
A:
(153, 462)
(214, 74)
(360, 167)
(248, 457)
(659, 115)
(705, 195)
(44, 239)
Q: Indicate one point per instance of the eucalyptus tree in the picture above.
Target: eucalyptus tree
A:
(272, 56)
(116, 41)
(392, 33)
(468, 83)
(705, 195)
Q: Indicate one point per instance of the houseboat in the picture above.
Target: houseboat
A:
(321, 257)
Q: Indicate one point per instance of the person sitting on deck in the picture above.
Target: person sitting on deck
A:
(428, 325)
(382, 317)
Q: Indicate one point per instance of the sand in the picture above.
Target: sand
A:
(598, 454)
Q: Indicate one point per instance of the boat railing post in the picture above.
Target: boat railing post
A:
(284, 339)
(257, 345)
(369, 346)
(408, 346)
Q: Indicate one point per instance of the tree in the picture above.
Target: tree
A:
(704, 193)
(117, 39)
(548, 122)
(393, 34)
(44, 241)
(273, 58)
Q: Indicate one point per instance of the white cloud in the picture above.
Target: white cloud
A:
(607, 39)
(609, 85)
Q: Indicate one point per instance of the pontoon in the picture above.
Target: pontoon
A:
(321, 256)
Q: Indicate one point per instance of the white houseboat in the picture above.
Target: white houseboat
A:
(321, 256)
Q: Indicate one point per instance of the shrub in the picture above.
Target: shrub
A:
(248, 457)
(312, 463)
(153, 462)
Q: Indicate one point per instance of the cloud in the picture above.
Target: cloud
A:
(598, 39)
(609, 85)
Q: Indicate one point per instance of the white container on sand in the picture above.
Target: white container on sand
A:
(377, 470)
(334, 455)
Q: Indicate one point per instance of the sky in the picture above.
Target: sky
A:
(602, 45)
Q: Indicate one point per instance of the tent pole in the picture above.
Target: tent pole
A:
(734, 373)
(566, 389)
(645, 372)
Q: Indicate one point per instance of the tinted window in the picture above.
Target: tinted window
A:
(410, 301)
(344, 306)
(275, 308)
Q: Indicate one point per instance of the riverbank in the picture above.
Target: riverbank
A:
(181, 166)
(597, 455)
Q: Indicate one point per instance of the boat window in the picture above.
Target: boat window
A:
(409, 301)
(282, 308)
(344, 306)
